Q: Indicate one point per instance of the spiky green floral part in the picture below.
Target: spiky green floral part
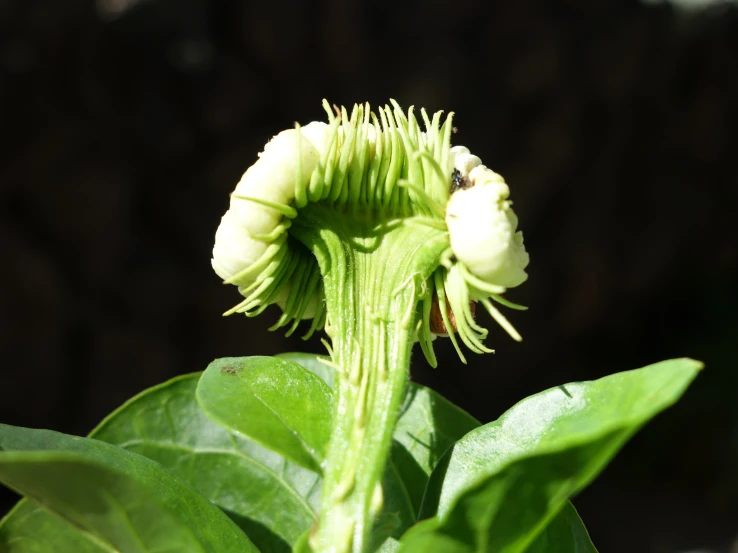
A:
(381, 165)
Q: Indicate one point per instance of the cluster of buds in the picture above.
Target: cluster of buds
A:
(386, 166)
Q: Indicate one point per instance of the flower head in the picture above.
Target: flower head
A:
(383, 166)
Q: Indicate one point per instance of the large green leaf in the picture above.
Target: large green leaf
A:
(126, 501)
(271, 499)
(272, 401)
(500, 485)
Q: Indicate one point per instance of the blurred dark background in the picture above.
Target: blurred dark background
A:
(126, 123)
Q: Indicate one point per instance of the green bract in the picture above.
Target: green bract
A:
(381, 167)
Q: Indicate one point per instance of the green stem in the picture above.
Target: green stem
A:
(374, 276)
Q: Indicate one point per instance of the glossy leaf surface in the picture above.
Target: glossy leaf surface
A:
(127, 502)
(311, 362)
(271, 499)
(272, 401)
(502, 483)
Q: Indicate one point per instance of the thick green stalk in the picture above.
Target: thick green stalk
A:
(375, 269)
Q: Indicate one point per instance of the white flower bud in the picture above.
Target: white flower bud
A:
(271, 178)
(482, 229)
(234, 249)
(365, 165)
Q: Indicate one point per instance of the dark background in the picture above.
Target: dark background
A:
(125, 125)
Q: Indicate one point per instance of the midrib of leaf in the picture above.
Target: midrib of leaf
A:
(99, 540)
(111, 500)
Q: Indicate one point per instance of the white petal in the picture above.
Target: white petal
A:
(466, 162)
(483, 175)
(318, 134)
(462, 160)
(453, 153)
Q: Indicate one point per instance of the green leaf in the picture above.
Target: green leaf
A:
(126, 501)
(311, 362)
(271, 499)
(29, 528)
(564, 534)
(272, 401)
(500, 485)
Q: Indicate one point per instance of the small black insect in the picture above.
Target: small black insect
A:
(459, 182)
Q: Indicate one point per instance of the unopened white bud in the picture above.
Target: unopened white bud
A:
(482, 229)
(273, 179)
